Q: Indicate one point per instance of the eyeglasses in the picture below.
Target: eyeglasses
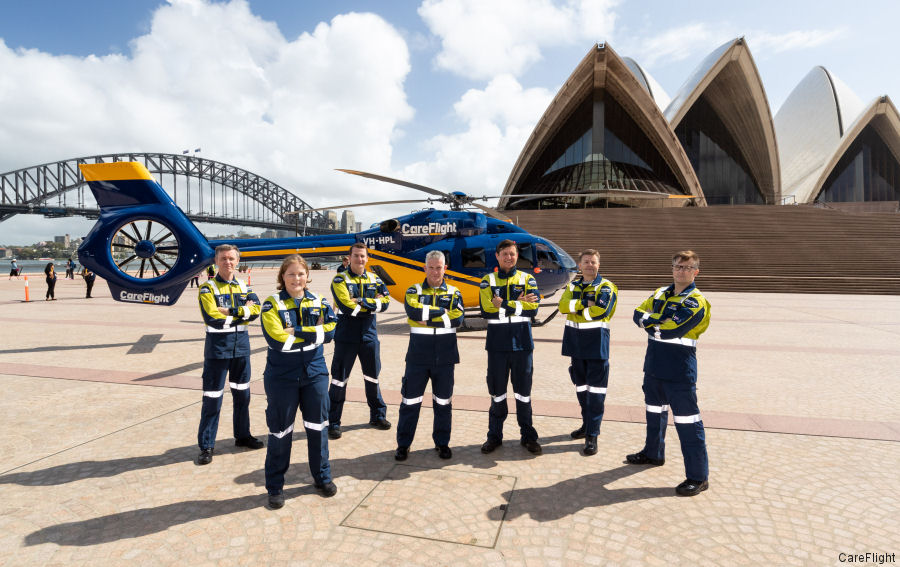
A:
(683, 268)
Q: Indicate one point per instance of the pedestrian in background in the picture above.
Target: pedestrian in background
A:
(89, 278)
(50, 272)
(13, 269)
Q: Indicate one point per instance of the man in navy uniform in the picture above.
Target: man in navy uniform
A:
(358, 296)
(674, 317)
(434, 310)
(588, 303)
(227, 305)
(509, 301)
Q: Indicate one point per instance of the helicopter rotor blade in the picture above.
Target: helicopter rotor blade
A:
(452, 199)
(415, 186)
(491, 212)
(359, 205)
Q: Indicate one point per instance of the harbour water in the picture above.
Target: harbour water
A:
(37, 266)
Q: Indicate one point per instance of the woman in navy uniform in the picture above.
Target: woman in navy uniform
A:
(296, 323)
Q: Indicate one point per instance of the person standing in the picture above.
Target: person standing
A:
(13, 269)
(345, 262)
(358, 295)
(674, 317)
(589, 302)
(434, 310)
(509, 301)
(50, 273)
(70, 269)
(89, 278)
(227, 305)
(296, 323)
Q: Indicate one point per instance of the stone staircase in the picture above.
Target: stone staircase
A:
(790, 249)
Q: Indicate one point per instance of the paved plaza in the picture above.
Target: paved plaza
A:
(800, 395)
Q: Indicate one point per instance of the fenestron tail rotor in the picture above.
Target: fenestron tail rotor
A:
(144, 248)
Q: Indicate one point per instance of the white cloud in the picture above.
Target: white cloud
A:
(213, 75)
(764, 42)
(481, 40)
(676, 44)
(498, 121)
(699, 39)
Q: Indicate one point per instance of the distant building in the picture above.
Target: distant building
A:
(6, 252)
(357, 226)
(332, 219)
(347, 221)
(64, 240)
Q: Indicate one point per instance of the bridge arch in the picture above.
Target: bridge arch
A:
(231, 195)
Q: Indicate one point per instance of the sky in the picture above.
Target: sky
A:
(443, 93)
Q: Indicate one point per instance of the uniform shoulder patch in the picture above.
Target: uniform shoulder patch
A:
(690, 302)
(484, 284)
(337, 279)
(411, 291)
(267, 307)
(205, 289)
(531, 281)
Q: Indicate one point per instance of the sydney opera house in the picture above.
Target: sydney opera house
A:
(613, 138)
(805, 201)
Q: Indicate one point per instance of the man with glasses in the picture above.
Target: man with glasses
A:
(674, 317)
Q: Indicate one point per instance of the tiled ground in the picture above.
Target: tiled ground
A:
(97, 449)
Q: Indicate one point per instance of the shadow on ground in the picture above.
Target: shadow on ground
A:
(541, 504)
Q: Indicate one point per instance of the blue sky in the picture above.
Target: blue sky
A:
(441, 92)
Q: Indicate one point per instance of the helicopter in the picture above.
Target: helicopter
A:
(147, 250)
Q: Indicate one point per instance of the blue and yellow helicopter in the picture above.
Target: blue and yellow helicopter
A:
(147, 249)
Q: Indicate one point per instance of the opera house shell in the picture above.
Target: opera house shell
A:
(612, 138)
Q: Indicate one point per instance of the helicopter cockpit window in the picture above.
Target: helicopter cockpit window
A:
(547, 260)
(526, 257)
(390, 225)
(473, 258)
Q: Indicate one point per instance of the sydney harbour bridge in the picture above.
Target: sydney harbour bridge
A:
(206, 190)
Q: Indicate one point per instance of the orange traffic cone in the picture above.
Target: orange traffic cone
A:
(26, 289)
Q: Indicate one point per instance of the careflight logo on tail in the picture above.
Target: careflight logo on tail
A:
(144, 297)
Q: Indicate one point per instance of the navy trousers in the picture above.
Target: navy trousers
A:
(590, 376)
(504, 366)
(215, 370)
(285, 392)
(681, 396)
(413, 391)
(345, 355)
